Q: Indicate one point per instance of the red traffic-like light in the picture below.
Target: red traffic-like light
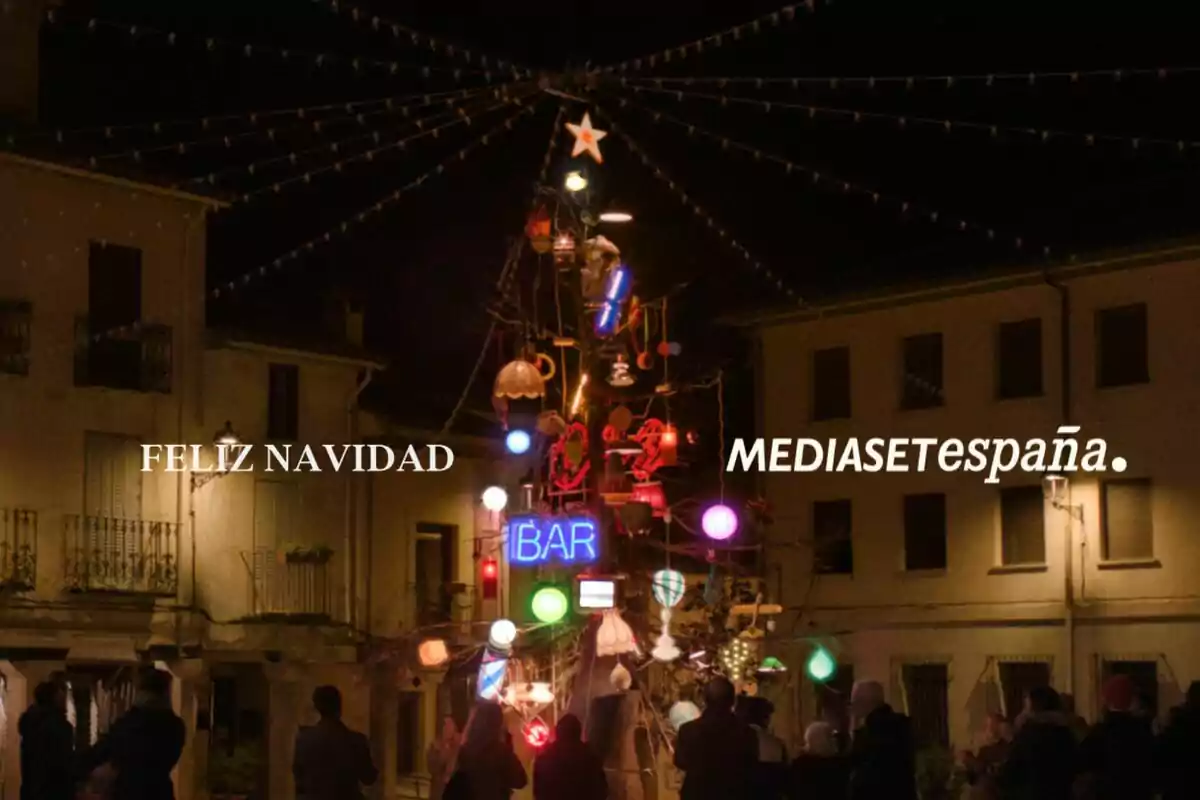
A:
(489, 572)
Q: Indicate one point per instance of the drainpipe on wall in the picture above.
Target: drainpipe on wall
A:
(1064, 337)
(351, 539)
(188, 350)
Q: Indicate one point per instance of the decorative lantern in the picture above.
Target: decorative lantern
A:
(538, 231)
(651, 493)
(564, 248)
(618, 376)
(433, 653)
(771, 666)
(614, 637)
(668, 443)
(501, 635)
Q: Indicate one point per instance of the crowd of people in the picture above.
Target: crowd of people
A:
(132, 761)
(728, 753)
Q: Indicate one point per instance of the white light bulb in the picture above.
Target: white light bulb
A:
(495, 499)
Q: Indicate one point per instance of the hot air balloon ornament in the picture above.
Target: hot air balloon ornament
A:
(668, 586)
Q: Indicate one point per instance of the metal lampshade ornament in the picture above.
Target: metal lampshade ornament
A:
(668, 587)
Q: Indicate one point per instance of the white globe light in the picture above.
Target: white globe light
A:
(495, 498)
(502, 634)
(719, 522)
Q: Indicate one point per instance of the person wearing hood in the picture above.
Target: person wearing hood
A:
(47, 745)
(135, 758)
(882, 752)
(568, 769)
(716, 752)
(1042, 758)
(1118, 753)
(1179, 749)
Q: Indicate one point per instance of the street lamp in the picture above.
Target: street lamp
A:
(1057, 491)
(225, 437)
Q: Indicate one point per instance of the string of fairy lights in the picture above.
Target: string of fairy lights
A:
(705, 216)
(303, 124)
(351, 109)
(905, 206)
(356, 65)
(436, 44)
(914, 81)
(295, 254)
(735, 33)
(992, 130)
(455, 118)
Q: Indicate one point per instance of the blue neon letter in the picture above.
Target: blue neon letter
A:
(583, 536)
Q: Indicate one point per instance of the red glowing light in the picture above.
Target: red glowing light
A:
(670, 437)
(536, 733)
(490, 570)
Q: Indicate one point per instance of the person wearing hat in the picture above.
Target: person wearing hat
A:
(1117, 755)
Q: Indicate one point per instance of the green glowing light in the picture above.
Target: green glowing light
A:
(549, 604)
(821, 666)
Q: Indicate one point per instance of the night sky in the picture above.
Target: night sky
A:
(427, 266)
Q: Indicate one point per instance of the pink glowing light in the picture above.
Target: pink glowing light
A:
(719, 522)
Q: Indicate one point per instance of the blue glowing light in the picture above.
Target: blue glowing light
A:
(534, 540)
(517, 442)
(615, 293)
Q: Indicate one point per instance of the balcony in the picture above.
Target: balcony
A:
(18, 549)
(291, 586)
(137, 360)
(121, 556)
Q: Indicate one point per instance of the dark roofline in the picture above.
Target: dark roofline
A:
(344, 354)
(211, 203)
(995, 280)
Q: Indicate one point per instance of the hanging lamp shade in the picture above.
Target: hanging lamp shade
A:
(433, 653)
(520, 379)
(637, 516)
(616, 488)
(614, 637)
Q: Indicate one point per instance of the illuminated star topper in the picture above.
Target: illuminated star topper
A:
(587, 139)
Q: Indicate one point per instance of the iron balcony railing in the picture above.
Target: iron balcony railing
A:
(295, 586)
(18, 549)
(126, 556)
(137, 358)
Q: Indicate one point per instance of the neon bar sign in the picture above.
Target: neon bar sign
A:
(534, 540)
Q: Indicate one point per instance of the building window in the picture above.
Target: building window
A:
(276, 514)
(924, 531)
(921, 381)
(1122, 346)
(1017, 679)
(833, 550)
(283, 402)
(112, 487)
(1019, 359)
(1128, 523)
(1142, 674)
(926, 693)
(408, 733)
(435, 572)
(15, 321)
(1022, 526)
(831, 384)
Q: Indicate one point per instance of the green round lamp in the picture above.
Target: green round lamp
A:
(549, 604)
